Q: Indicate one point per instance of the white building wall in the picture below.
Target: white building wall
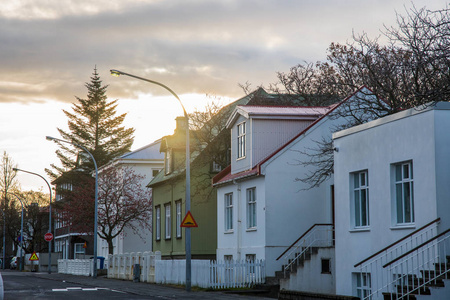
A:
(375, 146)
(241, 241)
(291, 207)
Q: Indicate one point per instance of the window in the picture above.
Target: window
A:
(79, 249)
(215, 167)
(158, 223)
(363, 287)
(326, 266)
(241, 140)
(251, 208)
(168, 229)
(361, 199)
(178, 208)
(229, 212)
(251, 259)
(168, 161)
(404, 195)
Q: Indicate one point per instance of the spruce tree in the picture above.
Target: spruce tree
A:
(94, 125)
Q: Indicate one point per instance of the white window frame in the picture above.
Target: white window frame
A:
(251, 260)
(78, 245)
(251, 208)
(179, 218)
(241, 140)
(360, 199)
(363, 285)
(168, 221)
(403, 192)
(158, 223)
(228, 203)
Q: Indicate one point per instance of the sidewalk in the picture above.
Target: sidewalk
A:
(143, 289)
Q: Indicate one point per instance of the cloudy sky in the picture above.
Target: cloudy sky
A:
(49, 48)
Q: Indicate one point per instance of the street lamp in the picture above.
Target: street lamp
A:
(188, 172)
(49, 218)
(96, 196)
(21, 233)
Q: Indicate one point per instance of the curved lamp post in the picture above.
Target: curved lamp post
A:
(96, 196)
(21, 233)
(4, 240)
(49, 218)
(188, 172)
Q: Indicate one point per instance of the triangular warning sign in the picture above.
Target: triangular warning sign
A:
(34, 256)
(189, 221)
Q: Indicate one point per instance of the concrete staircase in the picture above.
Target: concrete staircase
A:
(433, 283)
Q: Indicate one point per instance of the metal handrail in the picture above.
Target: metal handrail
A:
(302, 236)
(398, 241)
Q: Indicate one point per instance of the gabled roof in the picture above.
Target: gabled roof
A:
(225, 176)
(277, 112)
(148, 152)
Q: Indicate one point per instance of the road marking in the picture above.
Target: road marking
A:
(71, 289)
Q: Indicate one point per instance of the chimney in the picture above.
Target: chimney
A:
(181, 124)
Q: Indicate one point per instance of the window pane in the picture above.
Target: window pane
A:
(398, 173)
(406, 171)
(407, 201)
(357, 209)
(363, 208)
(398, 188)
(356, 181)
(363, 179)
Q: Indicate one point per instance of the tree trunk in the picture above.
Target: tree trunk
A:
(110, 246)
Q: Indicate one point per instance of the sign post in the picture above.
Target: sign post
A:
(188, 221)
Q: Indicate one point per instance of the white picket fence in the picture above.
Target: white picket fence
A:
(236, 274)
(83, 267)
(121, 266)
(204, 273)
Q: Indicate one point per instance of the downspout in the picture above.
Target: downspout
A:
(239, 220)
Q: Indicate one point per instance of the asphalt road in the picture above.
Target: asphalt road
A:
(29, 285)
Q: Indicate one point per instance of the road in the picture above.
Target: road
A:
(29, 285)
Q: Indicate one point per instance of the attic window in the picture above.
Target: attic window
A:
(241, 140)
(168, 161)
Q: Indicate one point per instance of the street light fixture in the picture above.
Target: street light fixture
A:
(49, 218)
(188, 172)
(21, 233)
(96, 196)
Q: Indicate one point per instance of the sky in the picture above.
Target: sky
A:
(201, 49)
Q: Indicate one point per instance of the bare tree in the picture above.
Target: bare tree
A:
(411, 70)
(8, 181)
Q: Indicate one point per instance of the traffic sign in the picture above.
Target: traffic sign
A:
(189, 221)
(48, 236)
(34, 257)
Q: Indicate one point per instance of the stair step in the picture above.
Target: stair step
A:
(413, 290)
(389, 296)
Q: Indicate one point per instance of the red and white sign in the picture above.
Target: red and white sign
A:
(48, 236)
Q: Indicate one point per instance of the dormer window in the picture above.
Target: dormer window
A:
(241, 140)
(168, 161)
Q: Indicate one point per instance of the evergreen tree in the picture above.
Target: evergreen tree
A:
(94, 125)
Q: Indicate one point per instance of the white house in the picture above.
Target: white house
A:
(262, 208)
(147, 161)
(392, 180)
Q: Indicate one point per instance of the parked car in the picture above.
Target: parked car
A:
(13, 264)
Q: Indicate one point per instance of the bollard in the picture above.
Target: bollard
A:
(136, 272)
